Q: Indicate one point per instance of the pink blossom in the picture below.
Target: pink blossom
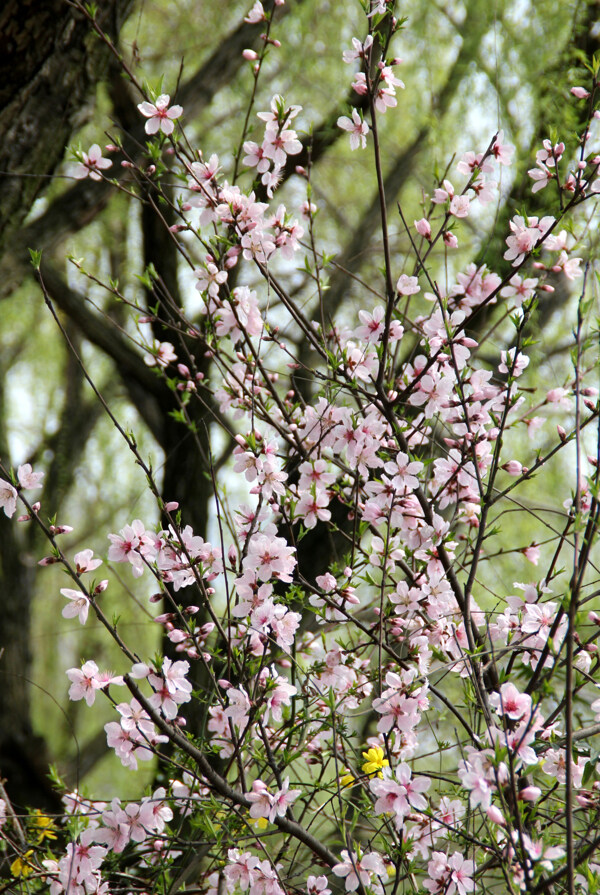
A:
(555, 765)
(160, 117)
(240, 869)
(519, 290)
(580, 92)
(270, 806)
(256, 14)
(501, 151)
(317, 885)
(372, 325)
(87, 680)
(513, 362)
(459, 206)
(92, 164)
(353, 870)
(471, 162)
(161, 354)
(359, 50)
(84, 561)
(511, 702)
(29, 479)
(8, 498)
(407, 285)
(357, 128)
(443, 194)
(127, 546)
(209, 280)
(569, 266)
(282, 799)
(271, 557)
(79, 605)
(260, 799)
(525, 236)
(541, 177)
(311, 508)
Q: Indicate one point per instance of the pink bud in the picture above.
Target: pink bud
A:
(139, 670)
(530, 793)
(495, 815)
(171, 506)
(250, 55)
(532, 554)
(25, 518)
(450, 239)
(513, 467)
(48, 561)
(580, 92)
(561, 433)
(231, 258)
(101, 587)
(156, 598)
(423, 228)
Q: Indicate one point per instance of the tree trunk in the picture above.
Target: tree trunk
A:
(50, 62)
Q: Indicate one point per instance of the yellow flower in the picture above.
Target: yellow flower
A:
(347, 779)
(21, 867)
(43, 825)
(374, 761)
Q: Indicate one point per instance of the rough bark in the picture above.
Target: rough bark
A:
(49, 66)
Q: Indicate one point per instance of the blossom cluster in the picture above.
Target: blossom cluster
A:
(398, 461)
